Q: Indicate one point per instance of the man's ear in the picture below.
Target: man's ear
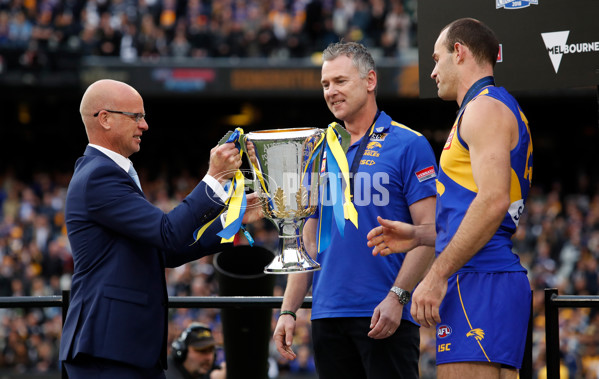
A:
(459, 52)
(372, 80)
(103, 120)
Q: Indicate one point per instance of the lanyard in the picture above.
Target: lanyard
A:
(475, 90)
(359, 153)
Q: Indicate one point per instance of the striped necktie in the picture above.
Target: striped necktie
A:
(133, 174)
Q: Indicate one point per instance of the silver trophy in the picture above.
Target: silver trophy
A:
(286, 177)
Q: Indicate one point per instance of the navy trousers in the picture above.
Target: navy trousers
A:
(88, 367)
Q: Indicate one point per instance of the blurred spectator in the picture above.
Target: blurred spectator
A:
(396, 34)
(129, 43)
(19, 30)
(180, 46)
(4, 29)
(267, 41)
(168, 16)
(148, 36)
(296, 43)
(193, 355)
(66, 31)
(109, 38)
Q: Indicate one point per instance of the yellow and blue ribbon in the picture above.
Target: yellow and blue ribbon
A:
(236, 202)
(336, 188)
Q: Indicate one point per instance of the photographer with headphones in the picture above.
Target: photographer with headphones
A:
(193, 355)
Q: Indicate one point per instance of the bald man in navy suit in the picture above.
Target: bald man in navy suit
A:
(116, 325)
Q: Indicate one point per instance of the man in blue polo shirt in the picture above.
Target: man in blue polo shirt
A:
(361, 322)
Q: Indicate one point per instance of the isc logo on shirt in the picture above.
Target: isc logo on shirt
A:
(378, 136)
(444, 347)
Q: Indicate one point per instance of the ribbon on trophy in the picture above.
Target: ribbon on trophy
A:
(236, 202)
(314, 152)
(336, 189)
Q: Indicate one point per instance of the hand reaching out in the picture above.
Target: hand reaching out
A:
(392, 237)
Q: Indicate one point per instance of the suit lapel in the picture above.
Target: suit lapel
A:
(93, 152)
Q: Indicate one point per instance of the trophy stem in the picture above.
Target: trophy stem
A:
(291, 256)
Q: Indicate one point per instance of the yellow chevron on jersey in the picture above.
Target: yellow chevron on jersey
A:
(440, 187)
(528, 170)
(455, 161)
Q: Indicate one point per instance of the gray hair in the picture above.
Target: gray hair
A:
(359, 55)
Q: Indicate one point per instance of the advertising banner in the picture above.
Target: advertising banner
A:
(544, 44)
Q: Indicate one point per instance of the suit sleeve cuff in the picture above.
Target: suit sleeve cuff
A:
(216, 187)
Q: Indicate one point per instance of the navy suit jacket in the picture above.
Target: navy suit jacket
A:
(121, 244)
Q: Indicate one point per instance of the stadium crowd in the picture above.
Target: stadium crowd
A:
(558, 242)
(47, 34)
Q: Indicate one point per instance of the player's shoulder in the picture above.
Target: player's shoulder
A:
(401, 129)
(405, 136)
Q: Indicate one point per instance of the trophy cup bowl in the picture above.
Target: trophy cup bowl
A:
(286, 178)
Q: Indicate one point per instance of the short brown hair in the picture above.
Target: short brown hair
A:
(477, 36)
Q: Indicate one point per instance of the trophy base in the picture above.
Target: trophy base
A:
(292, 261)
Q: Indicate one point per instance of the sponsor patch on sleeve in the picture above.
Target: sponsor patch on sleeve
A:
(426, 174)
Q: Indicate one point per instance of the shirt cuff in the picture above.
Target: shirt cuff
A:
(216, 187)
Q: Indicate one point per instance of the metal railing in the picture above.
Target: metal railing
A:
(221, 302)
(252, 302)
(553, 302)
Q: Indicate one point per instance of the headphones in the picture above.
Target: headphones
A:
(179, 345)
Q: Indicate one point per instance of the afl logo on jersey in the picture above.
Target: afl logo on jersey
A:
(443, 331)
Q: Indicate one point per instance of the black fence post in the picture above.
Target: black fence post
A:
(246, 332)
(552, 334)
(66, 301)
(526, 370)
